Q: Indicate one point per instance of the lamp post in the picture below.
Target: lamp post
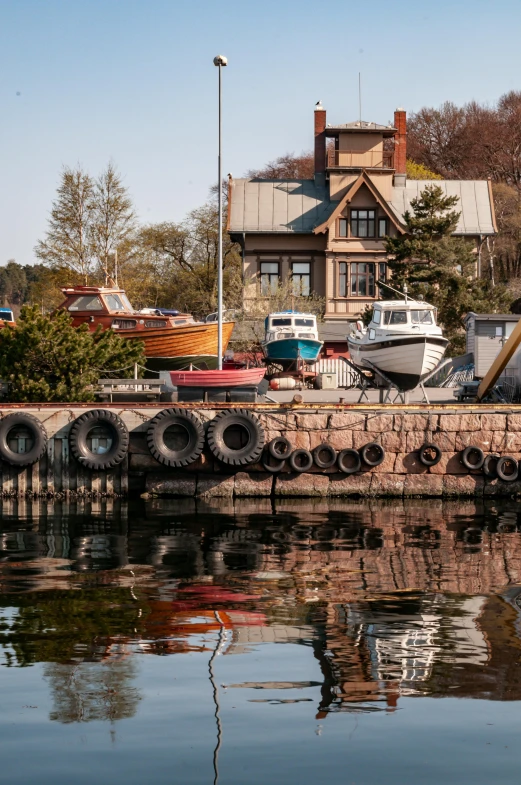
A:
(220, 61)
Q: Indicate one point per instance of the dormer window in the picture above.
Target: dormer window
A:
(363, 223)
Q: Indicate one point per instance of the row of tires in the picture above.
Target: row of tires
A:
(99, 439)
(349, 461)
(176, 437)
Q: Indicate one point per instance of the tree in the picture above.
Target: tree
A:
(439, 266)
(68, 241)
(112, 220)
(45, 358)
(287, 167)
(420, 172)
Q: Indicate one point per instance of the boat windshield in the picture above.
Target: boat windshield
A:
(305, 322)
(115, 302)
(281, 322)
(395, 317)
(421, 317)
(87, 303)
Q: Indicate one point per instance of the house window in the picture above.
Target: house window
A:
(382, 271)
(301, 272)
(363, 223)
(269, 275)
(342, 227)
(342, 279)
(362, 279)
(382, 227)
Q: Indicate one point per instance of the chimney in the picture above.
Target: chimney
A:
(400, 147)
(320, 141)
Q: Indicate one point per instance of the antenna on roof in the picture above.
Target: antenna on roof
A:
(360, 97)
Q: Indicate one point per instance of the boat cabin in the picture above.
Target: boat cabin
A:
(111, 308)
(394, 313)
(290, 324)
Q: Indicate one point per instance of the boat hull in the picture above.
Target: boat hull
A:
(287, 350)
(405, 360)
(197, 340)
(227, 379)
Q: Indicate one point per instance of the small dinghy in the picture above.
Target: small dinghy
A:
(402, 341)
(225, 379)
(291, 336)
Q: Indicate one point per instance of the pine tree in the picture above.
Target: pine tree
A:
(440, 267)
(45, 358)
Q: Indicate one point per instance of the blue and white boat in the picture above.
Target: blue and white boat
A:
(291, 336)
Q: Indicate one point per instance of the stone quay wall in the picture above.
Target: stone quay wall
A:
(400, 430)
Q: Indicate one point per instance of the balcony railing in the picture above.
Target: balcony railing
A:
(370, 159)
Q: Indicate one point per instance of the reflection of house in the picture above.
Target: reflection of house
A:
(328, 232)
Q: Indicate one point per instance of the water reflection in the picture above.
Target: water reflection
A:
(391, 600)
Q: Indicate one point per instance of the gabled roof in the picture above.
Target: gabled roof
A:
(363, 179)
(299, 206)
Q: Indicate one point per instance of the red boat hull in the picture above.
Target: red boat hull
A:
(243, 377)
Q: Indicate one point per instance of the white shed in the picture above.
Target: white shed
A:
(486, 334)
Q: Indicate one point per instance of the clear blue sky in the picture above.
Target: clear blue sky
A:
(86, 81)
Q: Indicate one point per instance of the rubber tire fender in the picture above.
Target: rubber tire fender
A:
(251, 451)
(429, 448)
(465, 457)
(500, 468)
(272, 465)
(353, 455)
(490, 466)
(324, 463)
(78, 439)
(156, 437)
(296, 455)
(366, 457)
(38, 432)
(280, 441)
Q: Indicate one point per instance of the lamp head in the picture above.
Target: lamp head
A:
(220, 60)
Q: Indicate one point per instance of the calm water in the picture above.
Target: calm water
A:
(350, 642)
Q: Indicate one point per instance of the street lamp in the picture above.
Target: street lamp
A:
(220, 61)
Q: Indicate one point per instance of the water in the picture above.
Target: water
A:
(350, 642)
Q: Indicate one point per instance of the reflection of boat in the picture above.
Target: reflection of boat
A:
(291, 336)
(238, 377)
(402, 340)
(172, 340)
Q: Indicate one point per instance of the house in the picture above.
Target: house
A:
(328, 232)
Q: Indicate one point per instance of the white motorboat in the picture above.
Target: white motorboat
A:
(402, 341)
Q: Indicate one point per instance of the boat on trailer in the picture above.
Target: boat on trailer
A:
(172, 340)
(291, 337)
(402, 341)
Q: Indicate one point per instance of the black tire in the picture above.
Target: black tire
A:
(301, 460)
(280, 448)
(37, 434)
(80, 431)
(349, 461)
(324, 456)
(429, 454)
(271, 464)
(372, 454)
(507, 468)
(248, 437)
(192, 433)
(472, 458)
(490, 466)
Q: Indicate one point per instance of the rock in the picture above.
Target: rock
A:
(379, 423)
(415, 422)
(423, 485)
(494, 422)
(387, 484)
(301, 485)
(253, 484)
(212, 485)
(350, 484)
(467, 485)
(482, 439)
(354, 421)
(409, 463)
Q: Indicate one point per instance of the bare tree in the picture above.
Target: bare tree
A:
(67, 243)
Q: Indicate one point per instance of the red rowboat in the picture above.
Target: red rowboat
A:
(238, 377)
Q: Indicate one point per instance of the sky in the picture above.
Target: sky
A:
(132, 81)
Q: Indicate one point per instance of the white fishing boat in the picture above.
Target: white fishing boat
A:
(402, 341)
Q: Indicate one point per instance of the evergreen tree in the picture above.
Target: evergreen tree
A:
(45, 358)
(441, 267)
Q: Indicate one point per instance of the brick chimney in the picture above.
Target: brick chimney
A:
(400, 147)
(320, 141)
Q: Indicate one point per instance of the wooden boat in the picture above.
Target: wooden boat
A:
(237, 377)
(171, 341)
(402, 340)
